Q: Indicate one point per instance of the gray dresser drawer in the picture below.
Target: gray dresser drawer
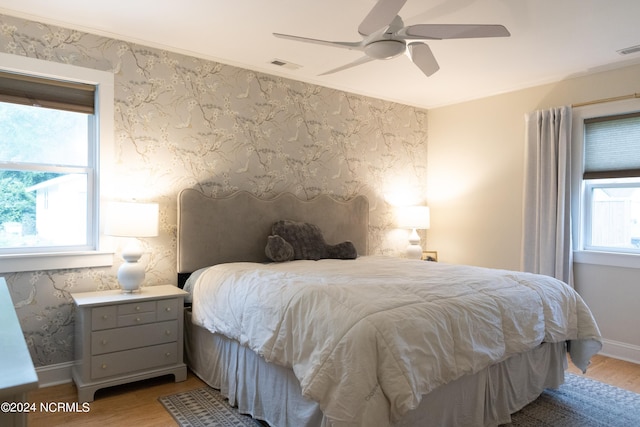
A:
(104, 318)
(123, 362)
(111, 340)
(168, 309)
(136, 307)
(136, 319)
(136, 313)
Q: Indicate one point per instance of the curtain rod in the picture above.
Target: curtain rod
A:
(602, 101)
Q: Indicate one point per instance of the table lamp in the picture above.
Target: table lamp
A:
(414, 218)
(131, 220)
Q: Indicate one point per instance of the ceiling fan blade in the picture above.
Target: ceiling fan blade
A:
(452, 31)
(359, 61)
(380, 16)
(344, 45)
(422, 56)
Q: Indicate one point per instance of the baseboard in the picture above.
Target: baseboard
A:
(51, 375)
(621, 350)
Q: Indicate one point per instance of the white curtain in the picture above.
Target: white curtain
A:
(546, 241)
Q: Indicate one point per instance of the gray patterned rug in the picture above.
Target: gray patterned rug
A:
(579, 402)
(205, 407)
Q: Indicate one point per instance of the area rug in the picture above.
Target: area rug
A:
(205, 407)
(579, 402)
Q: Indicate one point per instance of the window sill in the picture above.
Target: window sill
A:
(54, 261)
(607, 258)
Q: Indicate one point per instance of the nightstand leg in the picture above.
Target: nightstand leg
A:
(180, 374)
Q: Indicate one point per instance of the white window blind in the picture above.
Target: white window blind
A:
(612, 147)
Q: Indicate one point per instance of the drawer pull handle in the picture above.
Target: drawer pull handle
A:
(104, 366)
(168, 309)
(167, 354)
(167, 332)
(137, 308)
(137, 319)
(105, 317)
(104, 342)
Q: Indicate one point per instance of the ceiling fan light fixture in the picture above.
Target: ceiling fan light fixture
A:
(384, 49)
(384, 36)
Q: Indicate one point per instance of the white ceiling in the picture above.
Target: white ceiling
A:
(550, 39)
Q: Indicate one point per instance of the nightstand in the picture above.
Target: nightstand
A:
(120, 338)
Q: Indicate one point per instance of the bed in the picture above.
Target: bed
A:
(370, 341)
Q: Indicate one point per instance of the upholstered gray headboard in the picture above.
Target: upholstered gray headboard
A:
(235, 228)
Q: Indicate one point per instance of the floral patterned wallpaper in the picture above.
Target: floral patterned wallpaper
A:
(182, 121)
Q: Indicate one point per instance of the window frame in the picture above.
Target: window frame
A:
(95, 255)
(579, 188)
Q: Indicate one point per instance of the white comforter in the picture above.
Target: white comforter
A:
(368, 337)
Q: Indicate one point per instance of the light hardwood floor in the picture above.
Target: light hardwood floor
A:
(137, 404)
(616, 372)
(133, 404)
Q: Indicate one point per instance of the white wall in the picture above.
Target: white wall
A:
(475, 179)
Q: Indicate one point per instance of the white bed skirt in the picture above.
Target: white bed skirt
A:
(272, 393)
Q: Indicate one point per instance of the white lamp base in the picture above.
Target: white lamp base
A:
(131, 273)
(414, 250)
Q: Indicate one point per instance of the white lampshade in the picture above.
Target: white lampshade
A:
(414, 218)
(129, 219)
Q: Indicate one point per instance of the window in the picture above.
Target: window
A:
(612, 183)
(55, 132)
(607, 137)
(47, 166)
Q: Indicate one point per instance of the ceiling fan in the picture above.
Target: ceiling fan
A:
(384, 36)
